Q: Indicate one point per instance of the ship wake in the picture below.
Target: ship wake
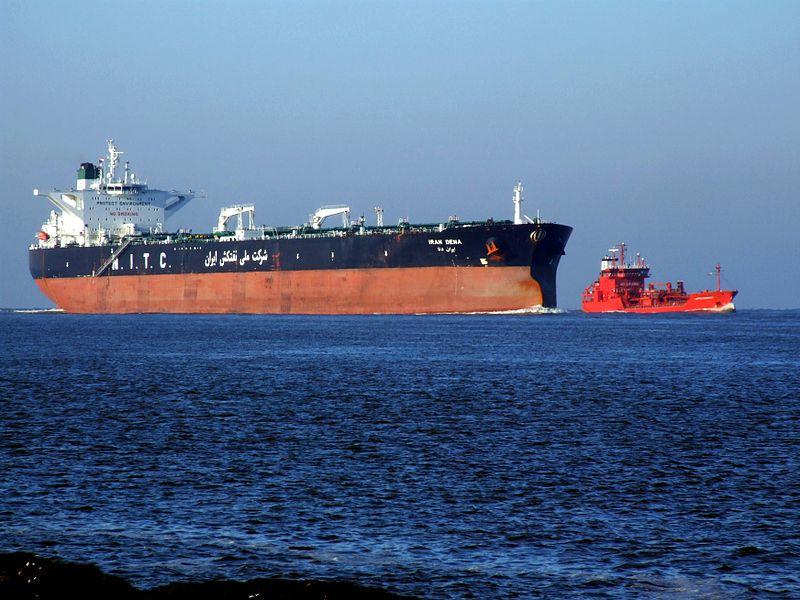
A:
(531, 310)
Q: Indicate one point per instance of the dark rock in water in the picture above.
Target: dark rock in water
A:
(26, 576)
(747, 551)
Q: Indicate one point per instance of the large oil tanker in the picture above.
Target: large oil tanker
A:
(107, 250)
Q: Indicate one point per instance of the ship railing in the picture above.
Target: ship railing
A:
(277, 233)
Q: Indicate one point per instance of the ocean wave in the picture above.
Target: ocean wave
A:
(31, 310)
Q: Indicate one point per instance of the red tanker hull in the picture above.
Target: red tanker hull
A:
(713, 301)
(339, 291)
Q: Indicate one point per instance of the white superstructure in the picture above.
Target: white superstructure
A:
(105, 205)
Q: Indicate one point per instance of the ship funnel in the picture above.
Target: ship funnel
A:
(87, 173)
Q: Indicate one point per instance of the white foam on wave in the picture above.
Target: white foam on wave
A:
(531, 310)
(729, 307)
(34, 310)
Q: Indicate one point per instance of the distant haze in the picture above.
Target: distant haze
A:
(672, 126)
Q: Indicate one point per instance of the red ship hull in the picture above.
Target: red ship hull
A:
(340, 291)
(713, 301)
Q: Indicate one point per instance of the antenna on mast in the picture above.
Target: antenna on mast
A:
(614, 252)
(113, 160)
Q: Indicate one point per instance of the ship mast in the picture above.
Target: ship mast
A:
(518, 203)
(613, 252)
(113, 160)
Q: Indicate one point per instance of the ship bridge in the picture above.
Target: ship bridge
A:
(105, 205)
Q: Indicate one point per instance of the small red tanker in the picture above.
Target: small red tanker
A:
(621, 288)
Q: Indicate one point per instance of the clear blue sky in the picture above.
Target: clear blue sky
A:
(672, 126)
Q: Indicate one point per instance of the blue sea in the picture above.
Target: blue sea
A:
(453, 456)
